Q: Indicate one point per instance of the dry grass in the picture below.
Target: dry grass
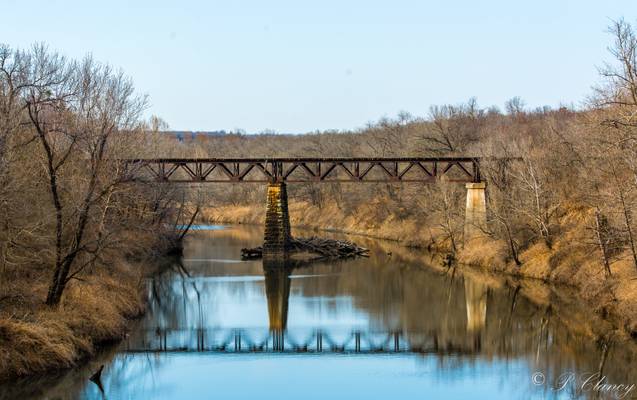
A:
(486, 254)
(37, 339)
(32, 347)
(234, 214)
(331, 218)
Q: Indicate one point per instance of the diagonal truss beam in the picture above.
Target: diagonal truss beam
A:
(238, 170)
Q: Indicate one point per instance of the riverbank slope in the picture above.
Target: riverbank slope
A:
(37, 338)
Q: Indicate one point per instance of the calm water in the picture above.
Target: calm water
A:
(385, 327)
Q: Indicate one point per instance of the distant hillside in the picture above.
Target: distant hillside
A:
(203, 136)
(190, 136)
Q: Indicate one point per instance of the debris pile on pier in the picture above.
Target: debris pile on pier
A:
(325, 248)
(329, 248)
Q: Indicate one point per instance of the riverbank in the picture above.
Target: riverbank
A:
(39, 339)
(571, 261)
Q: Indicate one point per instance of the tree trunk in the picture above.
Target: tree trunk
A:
(512, 248)
(629, 229)
(600, 241)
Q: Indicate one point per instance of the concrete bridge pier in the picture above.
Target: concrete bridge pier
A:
(475, 223)
(276, 240)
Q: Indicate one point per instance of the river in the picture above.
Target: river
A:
(395, 325)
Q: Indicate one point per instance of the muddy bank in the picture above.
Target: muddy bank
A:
(570, 262)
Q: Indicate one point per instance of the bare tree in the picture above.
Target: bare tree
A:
(514, 106)
(452, 129)
(74, 118)
(501, 203)
(615, 135)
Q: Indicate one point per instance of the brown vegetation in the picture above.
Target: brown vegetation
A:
(74, 228)
(92, 312)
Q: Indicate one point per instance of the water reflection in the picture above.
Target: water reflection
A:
(277, 292)
(215, 323)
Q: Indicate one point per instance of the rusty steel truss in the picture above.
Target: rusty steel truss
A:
(235, 170)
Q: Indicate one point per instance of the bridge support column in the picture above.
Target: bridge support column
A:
(276, 240)
(475, 223)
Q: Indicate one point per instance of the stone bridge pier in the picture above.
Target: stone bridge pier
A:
(276, 240)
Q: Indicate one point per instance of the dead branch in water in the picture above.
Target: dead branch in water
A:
(325, 248)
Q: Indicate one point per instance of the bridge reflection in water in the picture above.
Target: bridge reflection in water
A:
(286, 341)
(279, 339)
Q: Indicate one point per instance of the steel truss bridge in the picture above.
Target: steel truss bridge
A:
(244, 341)
(234, 170)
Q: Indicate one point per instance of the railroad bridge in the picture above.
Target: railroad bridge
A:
(278, 172)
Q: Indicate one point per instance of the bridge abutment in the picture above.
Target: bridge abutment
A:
(475, 224)
(276, 240)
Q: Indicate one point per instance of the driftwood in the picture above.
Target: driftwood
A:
(251, 254)
(325, 248)
(97, 378)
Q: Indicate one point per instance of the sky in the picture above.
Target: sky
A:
(299, 66)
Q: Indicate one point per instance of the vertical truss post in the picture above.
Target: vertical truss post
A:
(476, 171)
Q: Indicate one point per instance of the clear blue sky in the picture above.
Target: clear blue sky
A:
(297, 66)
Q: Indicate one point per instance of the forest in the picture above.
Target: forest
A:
(78, 230)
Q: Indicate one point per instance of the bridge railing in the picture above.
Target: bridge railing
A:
(236, 170)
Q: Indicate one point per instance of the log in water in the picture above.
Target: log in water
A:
(325, 248)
